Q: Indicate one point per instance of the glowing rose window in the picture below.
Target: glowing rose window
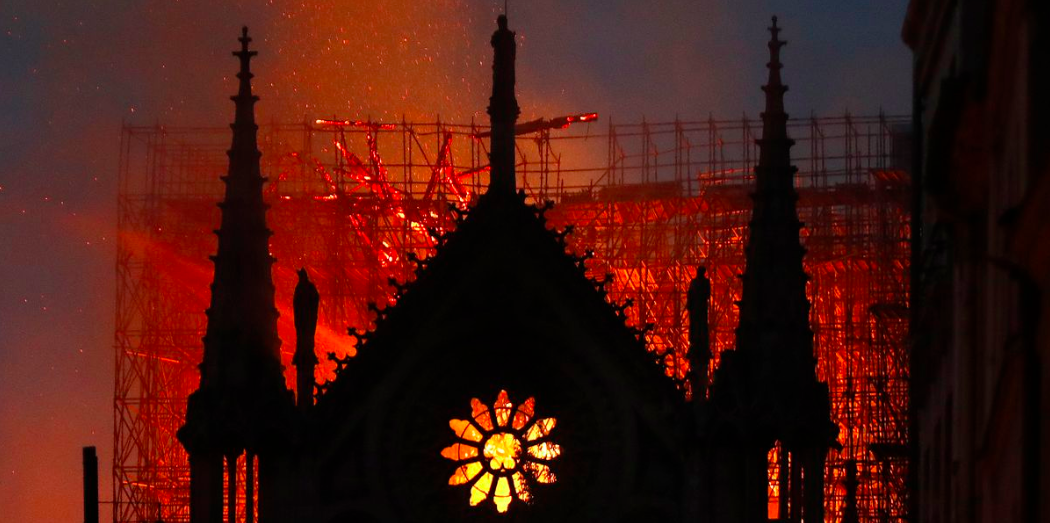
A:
(502, 451)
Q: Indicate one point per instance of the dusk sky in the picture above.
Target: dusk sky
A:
(72, 71)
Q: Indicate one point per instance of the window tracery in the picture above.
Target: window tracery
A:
(502, 451)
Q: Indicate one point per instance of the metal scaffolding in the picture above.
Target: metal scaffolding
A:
(353, 201)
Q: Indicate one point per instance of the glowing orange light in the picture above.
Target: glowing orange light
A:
(490, 448)
(355, 123)
(502, 450)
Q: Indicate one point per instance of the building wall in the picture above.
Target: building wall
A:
(981, 348)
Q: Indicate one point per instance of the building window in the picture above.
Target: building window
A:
(502, 452)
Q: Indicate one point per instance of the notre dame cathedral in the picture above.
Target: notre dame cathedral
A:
(543, 406)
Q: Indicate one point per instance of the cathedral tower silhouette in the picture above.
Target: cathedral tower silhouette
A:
(765, 392)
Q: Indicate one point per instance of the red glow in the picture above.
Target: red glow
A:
(354, 209)
(355, 123)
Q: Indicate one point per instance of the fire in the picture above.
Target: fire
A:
(355, 207)
(502, 450)
(355, 123)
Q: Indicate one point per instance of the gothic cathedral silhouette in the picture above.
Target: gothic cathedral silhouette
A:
(503, 385)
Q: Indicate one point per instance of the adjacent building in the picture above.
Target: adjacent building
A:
(981, 229)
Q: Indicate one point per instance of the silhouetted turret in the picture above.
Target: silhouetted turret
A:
(765, 391)
(242, 404)
(774, 304)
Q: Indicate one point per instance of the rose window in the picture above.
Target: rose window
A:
(502, 451)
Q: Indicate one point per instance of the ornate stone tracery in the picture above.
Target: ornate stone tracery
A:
(502, 452)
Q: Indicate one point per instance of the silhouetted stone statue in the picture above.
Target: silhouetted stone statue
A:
(697, 303)
(304, 305)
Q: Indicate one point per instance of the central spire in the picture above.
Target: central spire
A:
(503, 111)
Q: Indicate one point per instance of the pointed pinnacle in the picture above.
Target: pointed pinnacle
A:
(774, 65)
(245, 54)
